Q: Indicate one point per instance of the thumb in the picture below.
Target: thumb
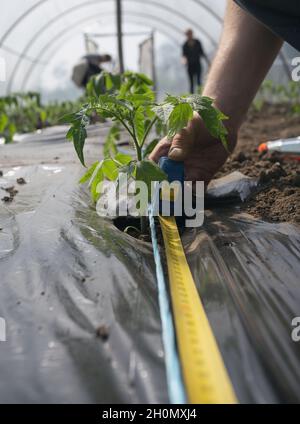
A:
(181, 145)
(161, 149)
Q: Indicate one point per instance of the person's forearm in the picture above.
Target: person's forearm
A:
(245, 54)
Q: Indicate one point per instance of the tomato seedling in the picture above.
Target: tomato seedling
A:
(129, 101)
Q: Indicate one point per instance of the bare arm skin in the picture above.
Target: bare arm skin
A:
(246, 52)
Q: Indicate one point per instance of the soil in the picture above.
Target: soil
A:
(12, 193)
(21, 181)
(278, 199)
(131, 226)
(102, 332)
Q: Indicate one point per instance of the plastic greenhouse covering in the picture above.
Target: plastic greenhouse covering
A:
(34, 32)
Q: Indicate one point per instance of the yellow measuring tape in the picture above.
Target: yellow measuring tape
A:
(204, 372)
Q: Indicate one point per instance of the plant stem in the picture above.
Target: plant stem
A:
(148, 131)
(139, 153)
(125, 126)
(136, 143)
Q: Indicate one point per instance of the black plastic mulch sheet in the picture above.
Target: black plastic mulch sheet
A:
(248, 277)
(70, 279)
(66, 275)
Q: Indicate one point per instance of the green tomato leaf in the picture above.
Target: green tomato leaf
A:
(12, 129)
(128, 169)
(163, 111)
(149, 172)
(110, 169)
(213, 120)
(108, 82)
(43, 116)
(69, 118)
(78, 133)
(145, 79)
(88, 175)
(139, 124)
(150, 147)
(3, 122)
(69, 135)
(79, 136)
(176, 111)
(141, 99)
(97, 178)
(110, 145)
(108, 101)
(179, 118)
(199, 102)
(121, 159)
(97, 85)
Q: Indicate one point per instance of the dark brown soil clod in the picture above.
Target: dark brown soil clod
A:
(12, 192)
(102, 332)
(7, 199)
(21, 181)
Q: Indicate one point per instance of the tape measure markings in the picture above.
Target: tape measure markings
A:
(204, 372)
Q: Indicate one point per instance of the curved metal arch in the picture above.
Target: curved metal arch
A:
(81, 21)
(137, 22)
(209, 10)
(17, 54)
(91, 2)
(133, 21)
(20, 19)
(41, 2)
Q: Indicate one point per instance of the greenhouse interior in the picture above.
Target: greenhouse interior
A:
(149, 203)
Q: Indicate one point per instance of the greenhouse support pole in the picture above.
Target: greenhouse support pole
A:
(153, 62)
(120, 34)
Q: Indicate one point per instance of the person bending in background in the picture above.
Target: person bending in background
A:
(252, 36)
(94, 62)
(192, 52)
(88, 66)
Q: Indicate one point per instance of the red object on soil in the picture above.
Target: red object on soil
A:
(263, 148)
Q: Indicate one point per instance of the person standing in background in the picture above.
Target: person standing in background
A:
(192, 52)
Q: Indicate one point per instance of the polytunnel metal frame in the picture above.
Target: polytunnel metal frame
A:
(130, 20)
(87, 19)
(70, 10)
(66, 12)
(41, 2)
(36, 61)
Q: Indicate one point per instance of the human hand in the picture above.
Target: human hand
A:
(202, 154)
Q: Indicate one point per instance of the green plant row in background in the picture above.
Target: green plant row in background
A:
(271, 92)
(23, 113)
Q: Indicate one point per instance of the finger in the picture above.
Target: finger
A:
(204, 164)
(182, 144)
(162, 149)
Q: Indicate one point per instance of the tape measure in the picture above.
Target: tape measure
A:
(204, 373)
